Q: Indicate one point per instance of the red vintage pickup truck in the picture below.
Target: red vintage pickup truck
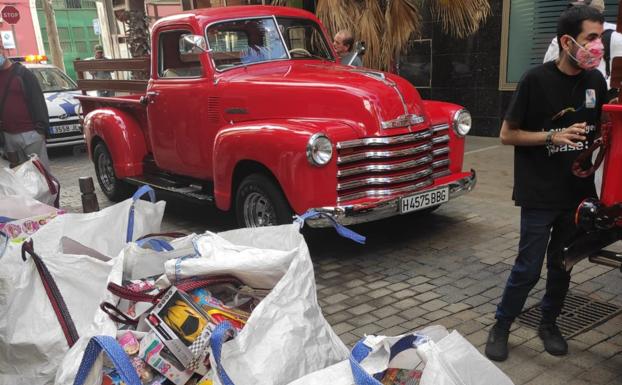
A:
(246, 107)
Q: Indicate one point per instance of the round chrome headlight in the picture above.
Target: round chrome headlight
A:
(319, 150)
(462, 122)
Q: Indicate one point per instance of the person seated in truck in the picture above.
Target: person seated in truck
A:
(344, 44)
(264, 44)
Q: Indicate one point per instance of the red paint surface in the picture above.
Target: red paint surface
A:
(611, 190)
(194, 127)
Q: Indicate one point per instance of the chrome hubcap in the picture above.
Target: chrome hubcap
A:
(106, 172)
(258, 211)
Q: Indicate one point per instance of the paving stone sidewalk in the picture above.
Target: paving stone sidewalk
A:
(446, 268)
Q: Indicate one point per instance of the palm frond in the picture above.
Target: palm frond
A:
(460, 18)
(337, 14)
(370, 26)
(403, 20)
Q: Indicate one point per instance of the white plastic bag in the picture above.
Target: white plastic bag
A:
(446, 359)
(132, 263)
(378, 357)
(454, 361)
(288, 320)
(32, 344)
(31, 340)
(30, 179)
(286, 336)
(21, 216)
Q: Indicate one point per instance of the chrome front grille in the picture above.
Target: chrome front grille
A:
(385, 166)
(440, 152)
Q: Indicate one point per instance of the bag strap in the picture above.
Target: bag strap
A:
(341, 229)
(185, 285)
(6, 90)
(54, 295)
(137, 195)
(117, 315)
(53, 183)
(117, 355)
(361, 351)
(606, 38)
(221, 332)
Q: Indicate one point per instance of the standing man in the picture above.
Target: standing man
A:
(552, 117)
(101, 75)
(344, 43)
(24, 116)
(612, 42)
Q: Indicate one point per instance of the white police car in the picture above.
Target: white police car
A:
(59, 91)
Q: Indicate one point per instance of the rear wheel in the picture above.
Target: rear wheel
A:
(260, 202)
(115, 189)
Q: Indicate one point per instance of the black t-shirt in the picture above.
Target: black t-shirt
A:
(547, 99)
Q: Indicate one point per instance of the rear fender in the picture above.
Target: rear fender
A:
(443, 113)
(279, 148)
(123, 137)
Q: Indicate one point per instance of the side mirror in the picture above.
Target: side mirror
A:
(192, 45)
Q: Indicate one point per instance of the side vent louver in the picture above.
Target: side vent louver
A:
(213, 109)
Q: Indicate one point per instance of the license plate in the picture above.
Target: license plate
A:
(425, 199)
(64, 128)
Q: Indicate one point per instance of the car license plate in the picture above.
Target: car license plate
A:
(425, 199)
(64, 128)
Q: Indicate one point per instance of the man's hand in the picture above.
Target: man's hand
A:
(570, 136)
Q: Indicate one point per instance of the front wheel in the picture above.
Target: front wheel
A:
(260, 202)
(115, 189)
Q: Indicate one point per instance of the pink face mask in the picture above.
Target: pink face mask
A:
(589, 56)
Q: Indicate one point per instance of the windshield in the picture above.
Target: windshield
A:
(242, 42)
(53, 80)
(304, 39)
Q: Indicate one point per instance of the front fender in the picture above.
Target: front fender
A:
(443, 113)
(281, 148)
(123, 137)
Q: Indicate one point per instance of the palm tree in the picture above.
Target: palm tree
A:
(388, 25)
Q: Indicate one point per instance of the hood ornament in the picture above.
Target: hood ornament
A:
(403, 121)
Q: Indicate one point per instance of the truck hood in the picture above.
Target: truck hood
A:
(361, 98)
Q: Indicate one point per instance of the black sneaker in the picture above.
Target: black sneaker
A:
(497, 344)
(554, 342)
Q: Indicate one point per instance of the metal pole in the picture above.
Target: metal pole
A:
(15, 39)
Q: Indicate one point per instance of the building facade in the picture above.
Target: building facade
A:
(25, 34)
(481, 72)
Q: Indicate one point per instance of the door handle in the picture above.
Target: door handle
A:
(149, 97)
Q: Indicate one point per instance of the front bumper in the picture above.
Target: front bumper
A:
(354, 214)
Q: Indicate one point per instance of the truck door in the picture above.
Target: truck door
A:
(177, 112)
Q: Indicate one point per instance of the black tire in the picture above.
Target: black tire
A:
(115, 189)
(260, 202)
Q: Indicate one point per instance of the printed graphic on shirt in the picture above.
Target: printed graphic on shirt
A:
(579, 146)
(590, 98)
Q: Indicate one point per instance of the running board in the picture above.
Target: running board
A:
(190, 191)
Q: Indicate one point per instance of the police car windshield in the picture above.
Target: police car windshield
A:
(53, 80)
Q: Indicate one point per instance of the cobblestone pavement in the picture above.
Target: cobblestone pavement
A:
(445, 268)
